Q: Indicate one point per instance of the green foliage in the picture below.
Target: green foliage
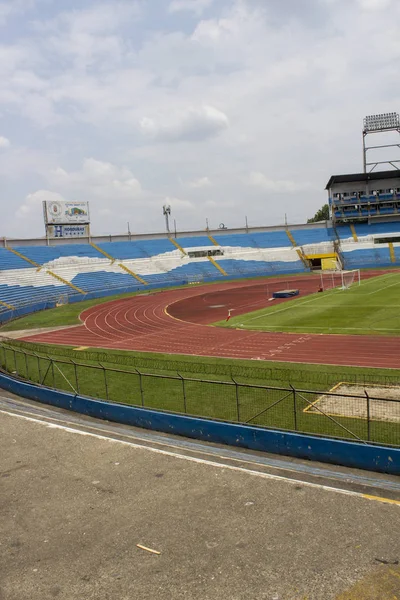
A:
(321, 215)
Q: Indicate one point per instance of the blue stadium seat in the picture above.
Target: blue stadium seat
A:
(8, 260)
(45, 254)
(312, 236)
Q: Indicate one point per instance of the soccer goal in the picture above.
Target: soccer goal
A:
(61, 300)
(340, 279)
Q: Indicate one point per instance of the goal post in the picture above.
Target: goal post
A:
(340, 279)
(350, 277)
(62, 300)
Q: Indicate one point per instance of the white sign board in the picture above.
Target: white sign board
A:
(65, 212)
(67, 231)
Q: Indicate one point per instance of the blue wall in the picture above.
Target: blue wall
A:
(350, 454)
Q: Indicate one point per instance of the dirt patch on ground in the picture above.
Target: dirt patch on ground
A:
(14, 335)
(384, 402)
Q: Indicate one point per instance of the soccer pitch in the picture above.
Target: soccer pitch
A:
(373, 307)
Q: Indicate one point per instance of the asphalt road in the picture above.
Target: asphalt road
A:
(77, 496)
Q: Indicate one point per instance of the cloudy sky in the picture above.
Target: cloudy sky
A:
(222, 108)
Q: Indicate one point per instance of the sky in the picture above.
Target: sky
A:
(223, 109)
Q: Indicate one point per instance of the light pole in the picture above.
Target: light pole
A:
(166, 213)
(382, 123)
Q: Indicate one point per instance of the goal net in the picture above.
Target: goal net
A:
(340, 279)
(61, 300)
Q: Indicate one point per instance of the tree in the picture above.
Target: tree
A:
(321, 215)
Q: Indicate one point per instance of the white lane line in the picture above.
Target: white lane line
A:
(383, 288)
(204, 461)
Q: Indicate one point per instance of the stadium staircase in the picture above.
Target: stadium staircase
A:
(392, 253)
(217, 266)
(213, 240)
(127, 270)
(120, 264)
(25, 258)
(103, 252)
(291, 238)
(66, 282)
(6, 305)
(175, 243)
(39, 267)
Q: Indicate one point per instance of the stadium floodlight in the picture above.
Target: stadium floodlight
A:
(382, 122)
(166, 213)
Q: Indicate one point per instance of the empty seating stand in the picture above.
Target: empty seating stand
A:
(139, 264)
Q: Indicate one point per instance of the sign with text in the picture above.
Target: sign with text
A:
(64, 213)
(67, 231)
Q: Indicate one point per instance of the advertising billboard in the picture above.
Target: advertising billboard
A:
(64, 213)
(67, 231)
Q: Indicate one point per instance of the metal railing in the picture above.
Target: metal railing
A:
(361, 416)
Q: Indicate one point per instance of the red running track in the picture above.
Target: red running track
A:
(176, 322)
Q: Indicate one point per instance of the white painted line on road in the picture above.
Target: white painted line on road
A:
(206, 462)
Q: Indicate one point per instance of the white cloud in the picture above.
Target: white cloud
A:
(10, 8)
(200, 183)
(178, 204)
(245, 84)
(32, 206)
(196, 6)
(4, 142)
(192, 124)
(276, 185)
(374, 4)
(98, 179)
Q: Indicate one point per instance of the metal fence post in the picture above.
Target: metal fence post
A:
(105, 380)
(52, 370)
(368, 417)
(184, 393)
(141, 386)
(294, 407)
(39, 370)
(5, 360)
(26, 366)
(237, 398)
(76, 375)
(15, 362)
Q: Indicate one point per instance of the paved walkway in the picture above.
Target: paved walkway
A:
(78, 496)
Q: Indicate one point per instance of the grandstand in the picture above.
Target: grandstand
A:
(43, 270)
(362, 196)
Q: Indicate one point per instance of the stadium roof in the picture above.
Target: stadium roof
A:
(393, 174)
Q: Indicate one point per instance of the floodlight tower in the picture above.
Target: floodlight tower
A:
(166, 213)
(380, 124)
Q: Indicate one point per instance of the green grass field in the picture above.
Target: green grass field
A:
(370, 308)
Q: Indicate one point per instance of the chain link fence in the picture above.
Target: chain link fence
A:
(349, 411)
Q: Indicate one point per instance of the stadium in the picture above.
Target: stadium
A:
(165, 394)
(289, 327)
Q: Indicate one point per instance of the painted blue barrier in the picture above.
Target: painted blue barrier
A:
(349, 454)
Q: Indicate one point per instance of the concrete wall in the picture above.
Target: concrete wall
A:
(151, 236)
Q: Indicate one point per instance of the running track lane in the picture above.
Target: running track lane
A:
(142, 323)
